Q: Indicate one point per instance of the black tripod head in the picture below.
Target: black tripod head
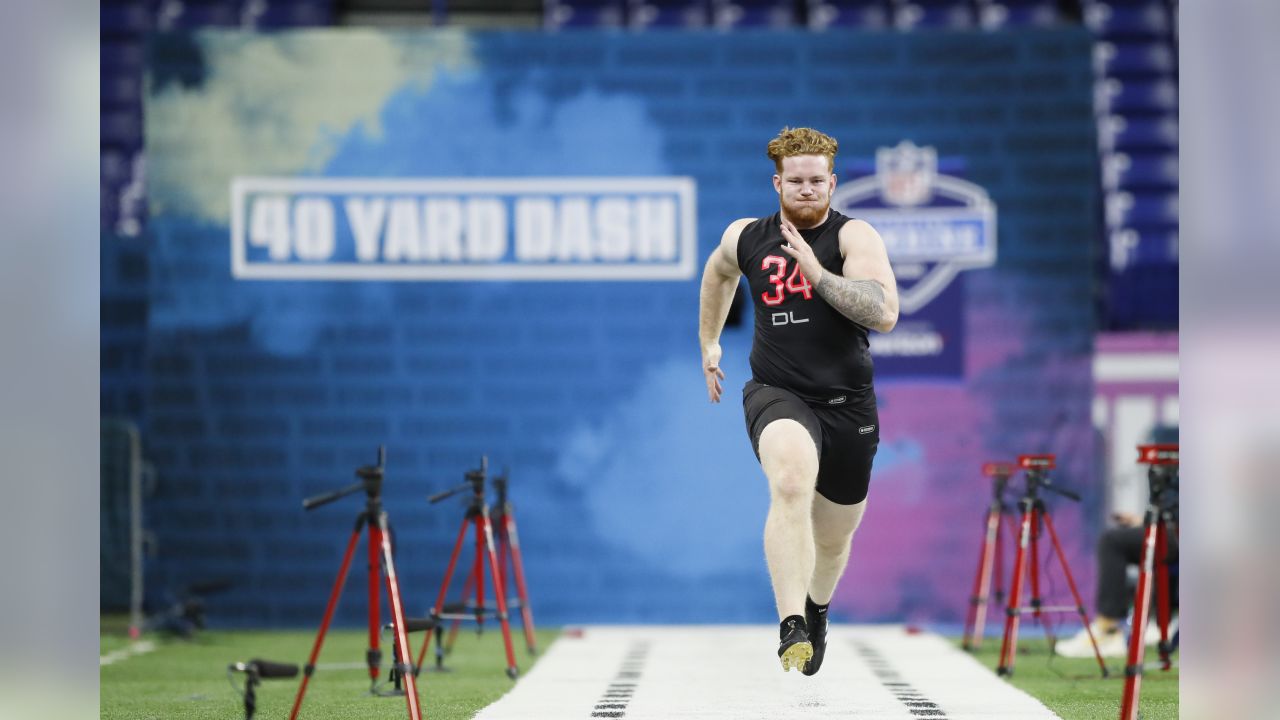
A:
(475, 480)
(500, 487)
(1037, 469)
(370, 481)
(1162, 473)
(255, 671)
(999, 472)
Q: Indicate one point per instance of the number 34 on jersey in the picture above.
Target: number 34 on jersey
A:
(795, 283)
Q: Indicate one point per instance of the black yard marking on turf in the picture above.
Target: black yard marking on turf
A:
(915, 701)
(613, 703)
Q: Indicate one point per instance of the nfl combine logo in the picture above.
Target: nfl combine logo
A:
(934, 226)
(906, 174)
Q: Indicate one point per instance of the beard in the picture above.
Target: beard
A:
(807, 214)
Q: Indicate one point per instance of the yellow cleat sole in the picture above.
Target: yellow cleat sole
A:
(796, 656)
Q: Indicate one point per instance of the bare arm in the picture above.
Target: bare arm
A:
(719, 281)
(866, 292)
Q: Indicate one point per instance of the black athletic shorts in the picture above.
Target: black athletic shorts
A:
(846, 436)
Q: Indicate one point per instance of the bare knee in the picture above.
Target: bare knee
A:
(790, 485)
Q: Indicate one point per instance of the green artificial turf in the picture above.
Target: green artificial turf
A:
(188, 678)
(1075, 689)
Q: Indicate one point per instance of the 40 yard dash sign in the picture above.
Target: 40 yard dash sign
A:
(590, 228)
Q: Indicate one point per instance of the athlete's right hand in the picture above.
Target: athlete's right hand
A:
(711, 371)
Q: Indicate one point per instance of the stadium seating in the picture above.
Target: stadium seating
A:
(858, 14)
(1140, 19)
(1133, 247)
(124, 26)
(729, 14)
(1133, 60)
(1116, 132)
(1152, 210)
(1148, 171)
(1139, 97)
(933, 14)
(559, 14)
(689, 14)
(1009, 14)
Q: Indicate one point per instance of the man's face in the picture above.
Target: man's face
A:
(804, 188)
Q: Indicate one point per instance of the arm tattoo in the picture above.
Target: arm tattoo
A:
(862, 301)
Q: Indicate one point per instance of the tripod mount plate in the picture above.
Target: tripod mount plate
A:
(1037, 462)
(997, 469)
(1160, 454)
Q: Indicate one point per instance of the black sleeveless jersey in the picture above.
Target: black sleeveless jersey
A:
(801, 343)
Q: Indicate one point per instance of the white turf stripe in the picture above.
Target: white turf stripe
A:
(732, 671)
(124, 653)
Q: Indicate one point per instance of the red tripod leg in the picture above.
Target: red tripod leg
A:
(1141, 608)
(397, 615)
(444, 586)
(501, 542)
(374, 655)
(1162, 592)
(999, 564)
(981, 582)
(457, 623)
(1038, 521)
(481, 527)
(324, 624)
(1013, 612)
(526, 612)
(1071, 583)
(500, 593)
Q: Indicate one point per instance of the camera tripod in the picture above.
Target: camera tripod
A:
(255, 671)
(503, 519)
(1159, 519)
(477, 516)
(1035, 514)
(381, 563)
(990, 557)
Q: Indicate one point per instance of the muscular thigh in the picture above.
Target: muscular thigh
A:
(850, 438)
(764, 405)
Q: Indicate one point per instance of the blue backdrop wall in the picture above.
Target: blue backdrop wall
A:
(290, 332)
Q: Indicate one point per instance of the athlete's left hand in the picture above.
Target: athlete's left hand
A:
(798, 249)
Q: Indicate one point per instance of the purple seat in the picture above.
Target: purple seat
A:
(1139, 173)
(1001, 14)
(1129, 60)
(1149, 210)
(122, 56)
(728, 14)
(134, 18)
(1143, 19)
(933, 14)
(865, 14)
(121, 128)
(667, 14)
(558, 14)
(195, 15)
(286, 13)
(1138, 247)
(120, 88)
(1138, 134)
(1143, 97)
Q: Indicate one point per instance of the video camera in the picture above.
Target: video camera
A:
(1161, 460)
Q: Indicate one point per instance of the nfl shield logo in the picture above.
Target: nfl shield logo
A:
(906, 173)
